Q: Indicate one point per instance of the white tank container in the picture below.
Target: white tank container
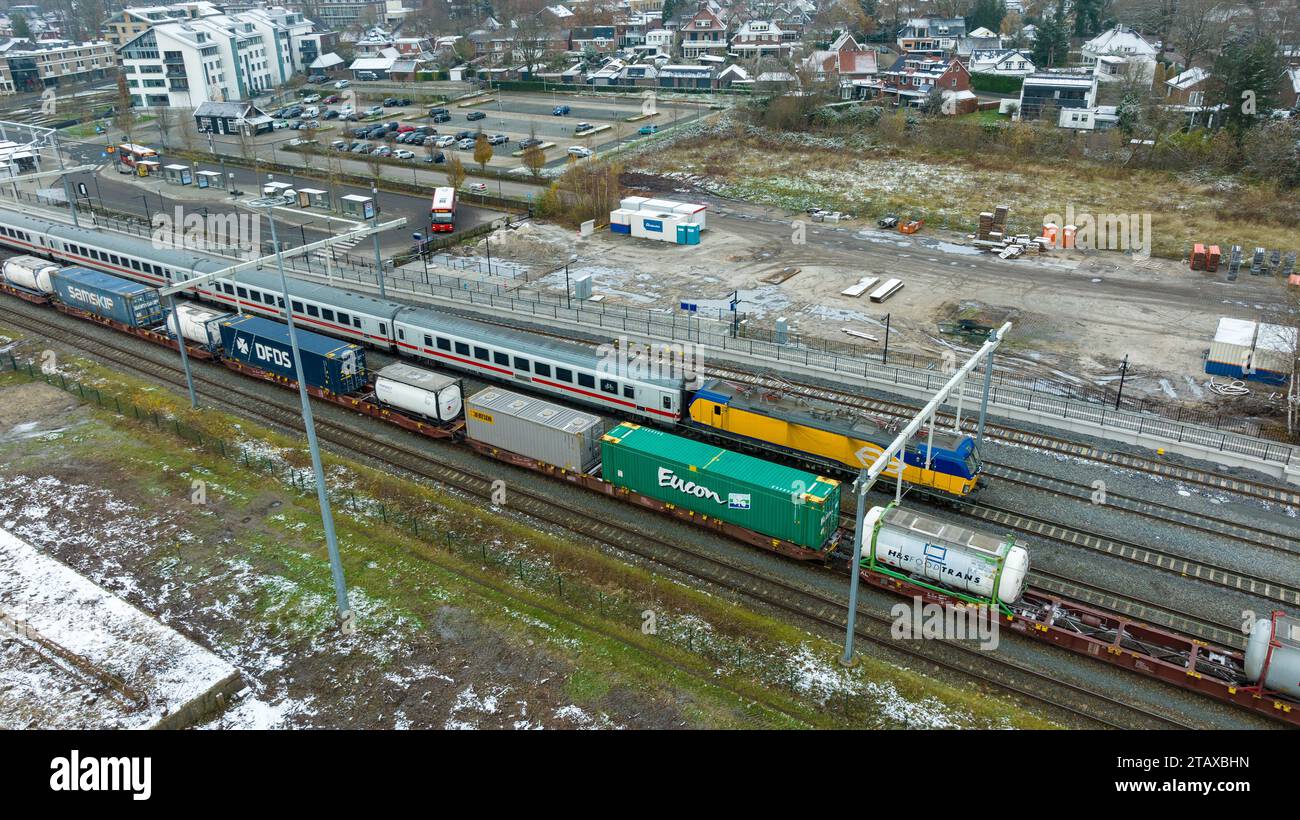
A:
(30, 273)
(1273, 654)
(418, 391)
(933, 550)
(197, 324)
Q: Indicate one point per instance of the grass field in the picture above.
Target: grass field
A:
(445, 590)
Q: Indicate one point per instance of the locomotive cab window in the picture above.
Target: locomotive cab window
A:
(586, 380)
(383, 328)
(609, 386)
(668, 402)
(401, 334)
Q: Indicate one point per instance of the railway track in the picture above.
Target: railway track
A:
(811, 606)
(1244, 487)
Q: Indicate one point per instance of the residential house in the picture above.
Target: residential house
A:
(852, 67)
(1093, 118)
(1054, 91)
(1289, 97)
(931, 34)
(1187, 88)
(704, 33)
(600, 39)
(1002, 62)
(1119, 53)
(660, 41)
(686, 76)
(913, 77)
(760, 38)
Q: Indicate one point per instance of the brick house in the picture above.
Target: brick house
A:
(912, 78)
(704, 33)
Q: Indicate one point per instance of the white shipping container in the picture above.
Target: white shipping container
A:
(694, 213)
(666, 224)
(422, 392)
(662, 205)
(632, 203)
(30, 273)
(1233, 341)
(534, 428)
(197, 324)
(622, 216)
(1275, 348)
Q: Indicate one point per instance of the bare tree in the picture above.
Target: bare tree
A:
(165, 118)
(1197, 29)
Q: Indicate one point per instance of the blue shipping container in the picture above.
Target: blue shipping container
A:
(327, 363)
(1236, 371)
(616, 228)
(102, 294)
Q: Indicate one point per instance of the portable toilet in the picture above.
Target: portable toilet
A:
(688, 234)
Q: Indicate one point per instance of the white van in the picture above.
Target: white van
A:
(311, 113)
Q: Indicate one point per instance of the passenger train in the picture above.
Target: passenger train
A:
(560, 369)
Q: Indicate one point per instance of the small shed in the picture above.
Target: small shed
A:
(178, 174)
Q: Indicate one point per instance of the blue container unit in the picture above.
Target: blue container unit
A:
(108, 296)
(327, 363)
(688, 234)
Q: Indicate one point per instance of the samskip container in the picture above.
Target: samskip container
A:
(102, 294)
(771, 499)
(534, 428)
(327, 363)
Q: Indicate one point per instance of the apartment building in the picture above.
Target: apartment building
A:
(220, 59)
(26, 65)
(129, 23)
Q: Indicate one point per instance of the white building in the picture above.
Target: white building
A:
(1003, 62)
(1118, 53)
(216, 58)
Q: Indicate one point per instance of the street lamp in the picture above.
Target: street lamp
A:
(568, 301)
(343, 611)
(379, 258)
(148, 214)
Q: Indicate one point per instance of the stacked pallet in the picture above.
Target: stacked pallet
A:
(993, 222)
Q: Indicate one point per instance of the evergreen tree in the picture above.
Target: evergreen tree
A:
(1247, 75)
(1052, 47)
(1087, 17)
(986, 13)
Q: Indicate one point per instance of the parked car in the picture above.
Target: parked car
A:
(367, 76)
(361, 147)
(402, 129)
(437, 157)
(560, 111)
(579, 151)
(350, 117)
(467, 135)
(383, 151)
(404, 154)
(342, 83)
(444, 141)
(279, 125)
(477, 188)
(337, 144)
(376, 133)
(331, 114)
(436, 110)
(529, 142)
(498, 139)
(367, 148)
(443, 117)
(465, 145)
(312, 112)
(295, 111)
(648, 129)
(317, 78)
(396, 102)
(475, 115)
(430, 140)
(582, 126)
(311, 98)
(374, 111)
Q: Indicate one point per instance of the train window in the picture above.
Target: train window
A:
(135, 263)
(297, 308)
(356, 322)
(629, 392)
(481, 353)
(117, 261)
(344, 319)
(401, 334)
(717, 411)
(256, 296)
(383, 329)
(158, 269)
(609, 386)
(328, 315)
(279, 301)
(503, 359)
(586, 380)
(522, 364)
(243, 294)
(444, 344)
(314, 312)
(230, 289)
(564, 374)
(542, 369)
(463, 349)
(428, 340)
(668, 402)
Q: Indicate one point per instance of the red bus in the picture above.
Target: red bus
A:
(442, 216)
(130, 155)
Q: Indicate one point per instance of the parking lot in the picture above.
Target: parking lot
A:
(613, 120)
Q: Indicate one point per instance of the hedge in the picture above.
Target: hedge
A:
(995, 83)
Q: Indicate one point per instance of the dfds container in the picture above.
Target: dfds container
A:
(934, 550)
(30, 273)
(102, 294)
(767, 498)
(1273, 654)
(535, 428)
(419, 391)
(197, 324)
(327, 363)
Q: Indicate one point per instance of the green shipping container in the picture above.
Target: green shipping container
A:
(767, 498)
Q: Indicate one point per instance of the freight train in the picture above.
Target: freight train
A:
(818, 436)
(762, 503)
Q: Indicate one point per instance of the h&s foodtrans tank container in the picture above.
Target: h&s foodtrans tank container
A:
(328, 364)
(1273, 654)
(930, 549)
(197, 324)
(30, 273)
(422, 392)
(111, 297)
(771, 499)
(534, 428)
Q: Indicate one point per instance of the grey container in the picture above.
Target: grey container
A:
(535, 428)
